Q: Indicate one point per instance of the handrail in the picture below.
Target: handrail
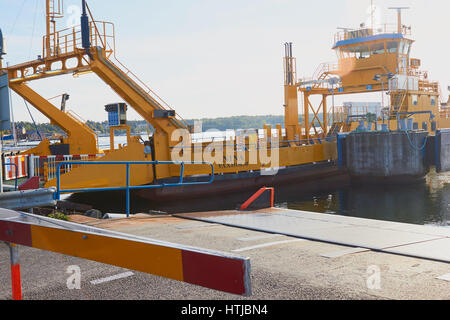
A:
(133, 77)
(128, 188)
(75, 116)
(95, 26)
(277, 143)
(387, 28)
(67, 41)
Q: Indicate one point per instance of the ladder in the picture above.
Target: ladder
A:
(397, 104)
(335, 129)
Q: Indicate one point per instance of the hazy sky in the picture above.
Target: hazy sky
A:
(211, 58)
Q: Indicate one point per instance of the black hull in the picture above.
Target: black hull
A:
(313, 176)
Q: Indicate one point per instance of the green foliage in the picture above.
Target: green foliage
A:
(59, 216)
(239, 122)
(138, 127)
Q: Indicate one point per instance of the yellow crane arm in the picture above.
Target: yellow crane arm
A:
(140, 100)
(82, 140)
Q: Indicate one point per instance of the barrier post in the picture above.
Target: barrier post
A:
(128, 191)
(31, 166)
(16, 283)
(1, 169)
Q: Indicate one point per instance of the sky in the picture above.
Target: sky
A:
(211, 58)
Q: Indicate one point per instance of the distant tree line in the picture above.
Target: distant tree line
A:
(138, 127)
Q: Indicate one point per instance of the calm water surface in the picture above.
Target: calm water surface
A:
(421, 203)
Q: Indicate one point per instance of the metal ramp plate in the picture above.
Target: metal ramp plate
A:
(391, 237)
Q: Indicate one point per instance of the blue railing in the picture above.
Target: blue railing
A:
(128, 188)
(17, 170)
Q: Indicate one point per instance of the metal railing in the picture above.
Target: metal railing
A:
(83, 122)
(337, 115)
(325, 67)
(45, 167)
(128, 187)
(366, 32)
(146, 89)
(68, 40)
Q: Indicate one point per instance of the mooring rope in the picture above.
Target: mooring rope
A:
(35, 126)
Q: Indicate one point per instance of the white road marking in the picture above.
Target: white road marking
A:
(342, 253)
(112, 278)
(445, 277)
(267, 245)
(270, 236)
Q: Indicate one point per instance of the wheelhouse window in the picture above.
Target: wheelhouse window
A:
(392, 47)
(360, 52)
(404, 47)
(433, 101)
(377, 48)
(363, 52)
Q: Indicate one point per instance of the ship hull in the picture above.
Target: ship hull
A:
(312, 176)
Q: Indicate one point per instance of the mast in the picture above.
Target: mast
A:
(371, 14)
(399, 14)
(53, 10)
(48, 26)
(2, 49)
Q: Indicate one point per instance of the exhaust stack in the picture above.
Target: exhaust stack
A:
(85, 30)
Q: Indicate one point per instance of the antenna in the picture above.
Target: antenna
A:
(399, 11)
(2, 45)
(371, 14)
(2, 48)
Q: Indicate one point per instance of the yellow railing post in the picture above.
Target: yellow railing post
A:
(45, 174)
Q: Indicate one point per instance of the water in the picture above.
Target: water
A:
(423, 203)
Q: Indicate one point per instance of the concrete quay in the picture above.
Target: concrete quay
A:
(283, 267)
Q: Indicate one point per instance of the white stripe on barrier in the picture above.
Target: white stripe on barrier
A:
(19, 162)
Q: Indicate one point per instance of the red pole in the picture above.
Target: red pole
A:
(272, 197)
(16, 283)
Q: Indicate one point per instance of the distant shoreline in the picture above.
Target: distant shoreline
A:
(139, 126)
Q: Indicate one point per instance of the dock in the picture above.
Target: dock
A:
(425, 242)
(294, 255)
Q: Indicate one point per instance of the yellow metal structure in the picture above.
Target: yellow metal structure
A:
(367, 57)
(81, 139)
(374, 60)
(292, 125)
(58, 49)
